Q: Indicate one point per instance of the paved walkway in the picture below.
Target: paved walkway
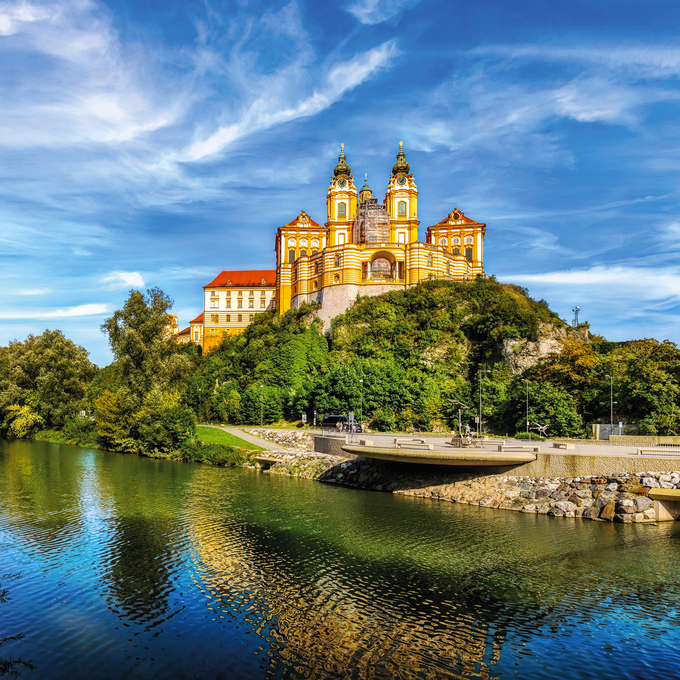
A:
(262, 443)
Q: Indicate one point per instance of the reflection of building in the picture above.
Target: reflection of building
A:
(363, 248)
(232, 300)
(369, 248)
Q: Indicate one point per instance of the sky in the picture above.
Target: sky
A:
(149, 143)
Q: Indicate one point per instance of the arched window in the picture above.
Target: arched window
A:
(303, 252)
(429, 260)
(468, 254)
(342, 210)
(456, 251)
(337, 260)
(316, 267)
(401, 208)
(315, 251)
(291, 255)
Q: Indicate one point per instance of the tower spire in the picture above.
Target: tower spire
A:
(401, 166)
(342, 168)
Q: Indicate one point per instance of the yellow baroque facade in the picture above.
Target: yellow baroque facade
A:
(370, 248)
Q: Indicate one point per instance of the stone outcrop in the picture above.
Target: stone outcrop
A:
(520, 353)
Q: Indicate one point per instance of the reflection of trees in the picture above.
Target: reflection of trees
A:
(142, 552)
(338, 611)
(10, 665)
(40, 493)
(138, 573)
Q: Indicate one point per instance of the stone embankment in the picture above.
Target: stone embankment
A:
(291, 440)
(621, 498)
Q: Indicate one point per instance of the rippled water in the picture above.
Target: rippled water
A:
(150, 569)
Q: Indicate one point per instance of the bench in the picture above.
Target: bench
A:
(564, 445)
(410, 443)
(650, 452)
(518, 447)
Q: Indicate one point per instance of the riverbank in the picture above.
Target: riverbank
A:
(620, 497)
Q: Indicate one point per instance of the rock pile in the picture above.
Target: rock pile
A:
(286, 439)
(621, 498)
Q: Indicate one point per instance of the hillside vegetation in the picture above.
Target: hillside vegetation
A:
(401, 360)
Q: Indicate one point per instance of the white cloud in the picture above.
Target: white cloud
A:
(83, 86)
(127, 278)
(80, 310)
(377, 11)
(32, 291)
(274, 106)
(619, 284)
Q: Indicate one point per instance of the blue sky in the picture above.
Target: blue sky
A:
(157, 143)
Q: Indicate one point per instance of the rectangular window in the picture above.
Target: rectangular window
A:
(240, 304)
(228, 318)
(263, 293)
(251, 293)
(240, 293)
(251, 304)
(240, 318)
(213, 318)
(252, 316)
(213, 304)
(228, 304)
(263, 303)
(228, 293)
(214, 293)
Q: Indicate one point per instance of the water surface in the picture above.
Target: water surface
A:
(138, 568)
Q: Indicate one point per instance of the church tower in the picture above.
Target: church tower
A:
(401, 201)
(341, 203)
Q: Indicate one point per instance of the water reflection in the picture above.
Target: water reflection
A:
(272, 577)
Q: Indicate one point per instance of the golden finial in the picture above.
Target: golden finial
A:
(401, 145)
(365, 177)
(342, 148)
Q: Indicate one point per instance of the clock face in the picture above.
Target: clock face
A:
(401, 181)
(342, 183)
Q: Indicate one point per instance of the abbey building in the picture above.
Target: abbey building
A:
(364, 247)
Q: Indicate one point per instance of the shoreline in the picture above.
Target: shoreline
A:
(619, 497)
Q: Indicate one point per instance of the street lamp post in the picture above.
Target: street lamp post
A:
(611, 403)
(527, 382)
(361, 410)
(461, 406)
(261, 405)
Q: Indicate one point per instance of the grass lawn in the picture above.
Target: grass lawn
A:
(211, 435)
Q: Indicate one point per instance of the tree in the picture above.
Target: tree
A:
(43, 380)
(145, 356)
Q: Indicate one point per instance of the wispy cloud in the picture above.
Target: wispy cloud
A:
(377, 11)
(79, 310)
(134, 279)
(32, 291)
(275, 106)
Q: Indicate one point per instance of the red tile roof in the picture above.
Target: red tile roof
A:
(249, 279)
(198, 319)
(186, 331)
(309, 223)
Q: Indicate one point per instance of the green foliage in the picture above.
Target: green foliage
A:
(146, 358)
(43, 381)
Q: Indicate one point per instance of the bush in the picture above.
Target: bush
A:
(81, 430)
(524, 435)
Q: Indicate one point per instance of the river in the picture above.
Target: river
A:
(138, 568)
